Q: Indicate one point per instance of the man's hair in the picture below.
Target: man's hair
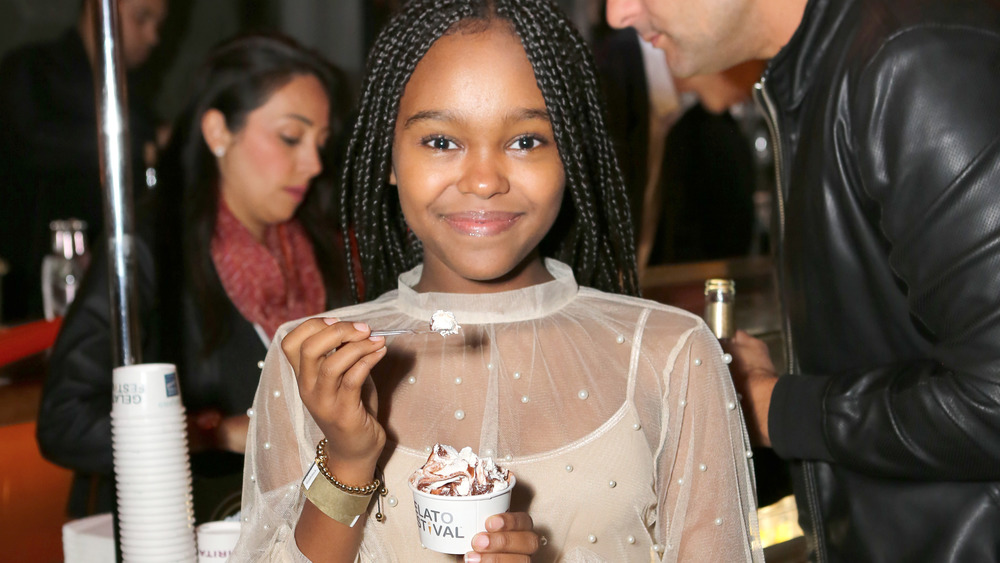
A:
(592, 233)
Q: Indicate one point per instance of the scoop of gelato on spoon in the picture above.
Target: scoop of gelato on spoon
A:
(444, 323)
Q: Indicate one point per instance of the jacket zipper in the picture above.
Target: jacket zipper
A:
(764, 101)
(767, 106)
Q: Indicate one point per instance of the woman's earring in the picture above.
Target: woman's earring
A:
(220, 151)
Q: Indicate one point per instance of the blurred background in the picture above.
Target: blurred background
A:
(696, 153)
(341, 30)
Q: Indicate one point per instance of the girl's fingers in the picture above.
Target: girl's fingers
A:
(509, 533)
(354, 378)
(323, 343)
(510, 522)
(291, 344)
(315, 342)
(347, 368)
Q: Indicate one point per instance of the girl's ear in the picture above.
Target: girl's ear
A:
(215, 132)
(392, 175)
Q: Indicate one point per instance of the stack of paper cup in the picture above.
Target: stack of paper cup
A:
(152, 467)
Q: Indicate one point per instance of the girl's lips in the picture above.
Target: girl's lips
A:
(481, 223)
(298, 192)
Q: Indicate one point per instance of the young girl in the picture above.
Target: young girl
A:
(480, 180)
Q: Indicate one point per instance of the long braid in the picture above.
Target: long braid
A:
(602, 247)
(593, 232)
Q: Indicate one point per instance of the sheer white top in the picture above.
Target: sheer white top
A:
(616, 414)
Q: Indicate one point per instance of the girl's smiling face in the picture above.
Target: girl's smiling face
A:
(475, 162)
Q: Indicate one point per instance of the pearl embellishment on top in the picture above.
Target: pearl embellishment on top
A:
(592, 538)
(517, 375)
(636, 426)
(267, 445)
(612, 484)
(253, 477)
(508, 457)
(569, 468)
(458, 381)
(489, 366)
(620, 339)
(277, 394)
(631, 539)
(524, 399)
(718, 521)
(583, 394)
(459, 414)
(488, 453)
(427, 449)
(727, 358)
(697, 361)
(392, 501)
(250, 412)
(260, 364)
(731, 405)
(411, 380)
(657, 547)
(684, 402)
(702, 467)
(680, 481)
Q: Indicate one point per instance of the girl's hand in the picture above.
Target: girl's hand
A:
(332, 360)
(509, 538)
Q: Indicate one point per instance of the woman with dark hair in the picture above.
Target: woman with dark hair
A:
(480, 180)
(234, 241)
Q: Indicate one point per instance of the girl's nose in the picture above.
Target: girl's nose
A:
(484, 177)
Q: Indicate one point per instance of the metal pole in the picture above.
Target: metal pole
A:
(116, 179)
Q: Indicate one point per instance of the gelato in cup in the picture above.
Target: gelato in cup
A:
(453, 495)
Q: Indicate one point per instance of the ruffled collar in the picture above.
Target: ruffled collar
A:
(517, 305)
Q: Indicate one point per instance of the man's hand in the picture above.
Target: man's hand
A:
(754, 379)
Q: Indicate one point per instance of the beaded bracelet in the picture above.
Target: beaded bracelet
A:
(321, 458)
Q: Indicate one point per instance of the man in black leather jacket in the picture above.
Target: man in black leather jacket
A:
(886, 117)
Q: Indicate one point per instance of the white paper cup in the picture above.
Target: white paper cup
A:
(447, 524)
(167, 426)
(157, 465)
(145, 389)
(216, 541)
(151, 418)
(162, 516)
(177, 554)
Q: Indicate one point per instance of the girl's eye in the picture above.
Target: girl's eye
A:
(526, 143)
(440, 143)
(290, 141)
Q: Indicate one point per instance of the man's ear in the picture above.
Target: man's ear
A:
(215, 132)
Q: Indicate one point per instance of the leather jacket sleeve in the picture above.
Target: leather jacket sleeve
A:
(923, 127)
(74, 419)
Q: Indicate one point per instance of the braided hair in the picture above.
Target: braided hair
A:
(593, 232)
